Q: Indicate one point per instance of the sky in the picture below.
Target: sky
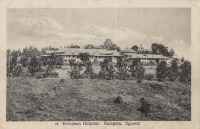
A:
(124, 26)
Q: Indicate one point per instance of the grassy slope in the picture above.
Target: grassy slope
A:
(32, 99)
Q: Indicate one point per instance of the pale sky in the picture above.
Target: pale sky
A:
(125, 26)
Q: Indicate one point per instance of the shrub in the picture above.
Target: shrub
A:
(34, 66)
(85, 58)
(149, 76)
(140, 71)
(72, 62)
(107, 69)
(88, 69)
(75, 71)
(161, 71)
(14, 68)
(185, 72)
(173, 71)
(137, 70)
(133, 66)
(122, 67)
(54, 75)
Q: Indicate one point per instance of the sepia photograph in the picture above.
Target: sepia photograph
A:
(98, 64)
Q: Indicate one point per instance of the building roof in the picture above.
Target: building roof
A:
(149, 56)
(94, 52)
(128, 51)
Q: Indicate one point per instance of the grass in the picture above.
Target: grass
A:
(92, 100)
(64, 70)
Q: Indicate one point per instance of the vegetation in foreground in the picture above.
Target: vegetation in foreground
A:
(92, 99)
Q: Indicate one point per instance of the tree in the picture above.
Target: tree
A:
(173, 70)
(161, 71)
(107, 69)
(72, 62)
(84, 56)
(140, 71)
(59, 61)
(182, 59)
(74, 46)
(24, 60)
(122, 67)
(88, 69)
(14, 68)
(109, 45)
(154, 48)
(31, 52)
(34, 66)
(137, 70)
(185, 72)
(75, 70)
(89, 46)
(171, 52)
(160, 49)
(135, 48)
(133, 66)
(50, 48)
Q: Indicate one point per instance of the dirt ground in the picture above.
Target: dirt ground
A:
(80, 100)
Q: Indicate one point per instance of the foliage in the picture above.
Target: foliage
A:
(149, 76)
(109, 45)
(72, 62)
(24, 60)
(140, 71)
(50, 48)
(88, 69)
(75, 72)
(137, 70)
(31, 52)
(122, 67)
(135, 48)
(59, 61)
(34, 66)
(133, 66)
(161, 49)
(161, 71)
(89, 46)
(144, 52)
(73, 46)
(185, 71)
(107, 69)
(173, 71)
(84, 56)
(14, 68)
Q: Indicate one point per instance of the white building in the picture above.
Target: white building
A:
(145, 58)
(96, 55)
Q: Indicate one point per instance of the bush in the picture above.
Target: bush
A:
(14, 68)
(133, 66)
(149, 77)
(107, 69)
(88, 69)
(140, 71)
(161, 71)
(72, 62)
(173, 71)
(122, 67)
(137, 70)
(185, 72)
(75, 71)
(34, 66)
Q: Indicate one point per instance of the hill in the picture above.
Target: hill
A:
(92, 100)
